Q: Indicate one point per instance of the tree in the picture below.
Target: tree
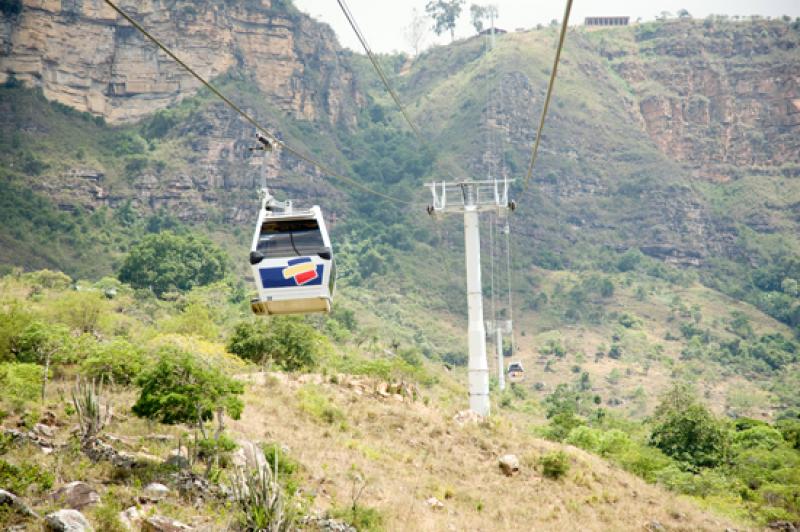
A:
(476, 14)
(416, 31)
(444, 13)
(684, 429)
(480, 13)
(287, 341)
(181, 388)
(683, 13)
(167, 261)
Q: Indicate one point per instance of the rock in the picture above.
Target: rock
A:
(249, 456)
(131, 518)
(44, 431)
(654, 526)
(176, 460)
(77, 495)
(434, 503)
(158, 523)
(8, 499)
(67, 521)
(783, 526)
(323, 524)
(509, 464)
(155, 492)
(466, 417)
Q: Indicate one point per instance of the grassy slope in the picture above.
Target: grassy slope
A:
(600, 184)
(336, 427)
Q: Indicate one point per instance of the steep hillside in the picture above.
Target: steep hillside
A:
(657, 243)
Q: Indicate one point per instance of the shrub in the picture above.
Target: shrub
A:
(584, 437)
(645, 462)
(766, 438)
(19, 479)
(554, 464)
(613, 441)
(181, 388)
(317, 405)
(21, 383)
(117, 362)
(286, 341)
(166, 262)
(81, 311)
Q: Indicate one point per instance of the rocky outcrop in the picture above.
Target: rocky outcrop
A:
(720, 97)
(82, 54)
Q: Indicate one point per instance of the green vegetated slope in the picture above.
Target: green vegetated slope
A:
(629, 271)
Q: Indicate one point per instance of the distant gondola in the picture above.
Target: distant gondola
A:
(516, 372)
(292, 260)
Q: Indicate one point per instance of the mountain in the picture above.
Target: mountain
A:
(656, 242)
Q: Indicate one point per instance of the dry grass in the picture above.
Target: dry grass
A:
(410, 452)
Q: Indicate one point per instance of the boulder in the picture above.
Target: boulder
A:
(178, 461)
(159, 523)
(77, 495)
(45, 431)
(131, 518)
(249, 456)
(9, 500)
(509, 465)
(67, 521)
(434, 503)
(155, 492)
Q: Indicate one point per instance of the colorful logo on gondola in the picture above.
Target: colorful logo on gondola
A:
(301, 271)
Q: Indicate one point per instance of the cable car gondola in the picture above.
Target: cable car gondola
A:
(516, 373)
(292, 260)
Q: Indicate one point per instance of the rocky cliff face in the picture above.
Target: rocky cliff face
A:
(83, 55)
(720, 97)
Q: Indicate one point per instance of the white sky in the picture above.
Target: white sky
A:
(384, 21)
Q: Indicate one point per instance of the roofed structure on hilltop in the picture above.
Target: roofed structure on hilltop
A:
(607, 21)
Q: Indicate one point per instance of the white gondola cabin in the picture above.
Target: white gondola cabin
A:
(292, 260)
(516, 372)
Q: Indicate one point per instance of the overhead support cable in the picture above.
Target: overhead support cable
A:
(271, 137)
(448, 159)
(374, 60)
(550, 86)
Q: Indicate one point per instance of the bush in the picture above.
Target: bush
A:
(21, 383)
(117, 362)
(613, 442)
(184, 389)
(645, 462)
(317, 405)
(19, 479)
(286, 341)
(554, 464)
(167, 262)
(81, 311)
(766, 438)
(584, 437)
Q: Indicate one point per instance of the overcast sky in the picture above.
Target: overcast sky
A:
(384, 21)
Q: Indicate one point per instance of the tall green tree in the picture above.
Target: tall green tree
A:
(445, 14)
(167, 262)
(686, 430)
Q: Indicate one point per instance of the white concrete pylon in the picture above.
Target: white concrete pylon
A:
(472, 197)
(478, 367)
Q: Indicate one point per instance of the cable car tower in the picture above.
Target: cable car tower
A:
(471, 198)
